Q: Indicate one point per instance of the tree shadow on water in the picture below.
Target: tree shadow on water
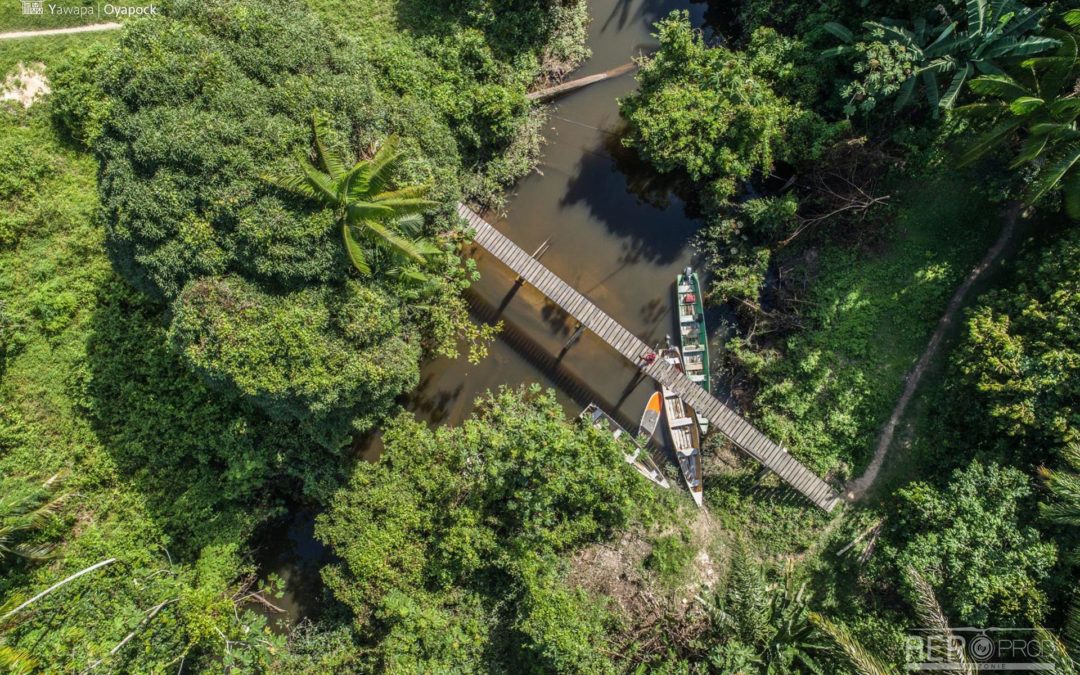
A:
(649, 12)
(634, 202)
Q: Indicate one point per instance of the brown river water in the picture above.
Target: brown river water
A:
(614, 231)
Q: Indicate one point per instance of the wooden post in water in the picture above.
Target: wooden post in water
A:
(578, 332)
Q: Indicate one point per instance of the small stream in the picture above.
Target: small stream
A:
(615, 231)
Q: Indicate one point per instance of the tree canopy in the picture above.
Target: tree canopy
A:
(201, 105)
(1020, 359)
(712, 112)
(449, 544)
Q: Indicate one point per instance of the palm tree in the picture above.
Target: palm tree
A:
(1064, 485)
(1038, 102)
(930, 617)
(372, 216)
(993, 32)
(26, 509)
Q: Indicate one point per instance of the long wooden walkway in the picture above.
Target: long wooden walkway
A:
(741, 432)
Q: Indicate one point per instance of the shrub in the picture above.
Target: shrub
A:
(714, 113)
(1018, 362)
(78, 104)
(971, 541)
(478, 516)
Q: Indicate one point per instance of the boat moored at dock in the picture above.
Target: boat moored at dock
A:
(693, 334)
(682, 424)
(638, 456)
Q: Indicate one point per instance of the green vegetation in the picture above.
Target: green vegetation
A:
(88, 390)
(1017, 364)
(372, 215)
(895, 58)
(228, 241)
(179, 422)
(837, 255)
(451, 543)
(64, 15)
(713, 113)
(670, 556)
(1035, 102)
(827, 387)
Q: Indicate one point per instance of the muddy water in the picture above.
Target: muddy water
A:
(614, 231)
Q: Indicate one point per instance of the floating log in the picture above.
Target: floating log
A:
(574, 85)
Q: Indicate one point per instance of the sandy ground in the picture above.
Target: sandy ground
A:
(26, 85)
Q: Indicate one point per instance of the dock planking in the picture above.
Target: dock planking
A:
(724, 419)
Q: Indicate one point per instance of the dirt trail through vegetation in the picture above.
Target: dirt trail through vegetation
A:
(858, 487)
(15, 35)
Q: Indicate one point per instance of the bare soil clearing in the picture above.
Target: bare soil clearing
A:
(26, 85)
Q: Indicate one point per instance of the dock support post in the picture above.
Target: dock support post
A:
(578, 331)
(540, 250)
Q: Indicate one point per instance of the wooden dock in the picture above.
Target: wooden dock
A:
(739, 431)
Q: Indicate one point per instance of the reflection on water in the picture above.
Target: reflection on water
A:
(289, 549)
(616, 232)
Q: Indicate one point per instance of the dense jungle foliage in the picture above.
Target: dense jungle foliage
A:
(227, 243)
(853, 162)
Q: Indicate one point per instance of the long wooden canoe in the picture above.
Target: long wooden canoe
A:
(682, 423)
(693, 334)
(638, 457)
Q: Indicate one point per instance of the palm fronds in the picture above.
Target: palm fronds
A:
(1065, 488)
(862, 660)
(1054, 651)
(26, 508)
(932, 618)
(991, 34)
(371, 212)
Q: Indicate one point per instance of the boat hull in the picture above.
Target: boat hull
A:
(683, 426)
(650, 419)
(693, 334)
(639, 457)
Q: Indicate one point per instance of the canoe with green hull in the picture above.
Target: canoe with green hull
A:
(693, 336)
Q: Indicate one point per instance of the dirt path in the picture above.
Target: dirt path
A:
(857, 488)
(94, 27)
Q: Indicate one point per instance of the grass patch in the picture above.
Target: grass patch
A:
(89, 389)
(870, 314)
(48, 50)
(670, 557)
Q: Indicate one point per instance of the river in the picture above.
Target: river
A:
(614, 231)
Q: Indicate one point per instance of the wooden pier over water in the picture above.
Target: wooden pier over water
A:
(739, 431)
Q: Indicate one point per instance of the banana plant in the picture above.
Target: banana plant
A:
(372, 216)
(994, 31)
(1035, 107)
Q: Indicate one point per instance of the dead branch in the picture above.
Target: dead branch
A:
(150, 614)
